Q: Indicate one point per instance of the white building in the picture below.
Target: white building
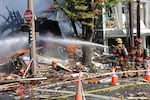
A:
(115, 23)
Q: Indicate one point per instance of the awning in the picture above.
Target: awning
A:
(110, 32)
(144, 31)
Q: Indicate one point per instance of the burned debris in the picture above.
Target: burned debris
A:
(56, 78)
(12, 22)
(53, 83)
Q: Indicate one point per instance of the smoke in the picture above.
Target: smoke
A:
(11, 44)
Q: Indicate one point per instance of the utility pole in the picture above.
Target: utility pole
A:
(138, 19)
(131, 23)
(32, 39)
(127, 24)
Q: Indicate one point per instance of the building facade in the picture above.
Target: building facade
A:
(116, 23)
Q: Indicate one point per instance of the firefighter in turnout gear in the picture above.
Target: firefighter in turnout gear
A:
(139, 55)
(121, 54)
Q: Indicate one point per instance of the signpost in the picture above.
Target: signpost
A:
(28, 15)
(30, 20)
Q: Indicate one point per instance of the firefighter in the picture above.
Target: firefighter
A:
(121, 54)
(58, 67)
(139, 55)
(55, 66)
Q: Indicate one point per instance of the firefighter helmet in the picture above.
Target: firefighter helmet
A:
(139, 40)
(118, 40)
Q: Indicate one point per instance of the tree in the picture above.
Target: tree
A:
(86, 11)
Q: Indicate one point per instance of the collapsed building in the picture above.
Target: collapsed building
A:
(56, 22)
(51, 23)
(11, 23)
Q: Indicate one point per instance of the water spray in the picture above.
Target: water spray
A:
(71, 41)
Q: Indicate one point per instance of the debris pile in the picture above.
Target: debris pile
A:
(58, 80)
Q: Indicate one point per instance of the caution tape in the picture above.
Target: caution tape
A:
(89, 76)
(110, 73)
(56, 84)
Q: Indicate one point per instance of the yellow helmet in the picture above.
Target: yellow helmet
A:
(118, 40)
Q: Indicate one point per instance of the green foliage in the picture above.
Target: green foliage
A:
(78, 2)
(81, 7)
(70, 14)
(86, 9)
(111, 3)
(88, 15)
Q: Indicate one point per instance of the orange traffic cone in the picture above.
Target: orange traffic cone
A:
(79, 95)
(147, 76)
(114, 79)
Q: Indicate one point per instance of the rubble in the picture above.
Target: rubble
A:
(62, 84)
